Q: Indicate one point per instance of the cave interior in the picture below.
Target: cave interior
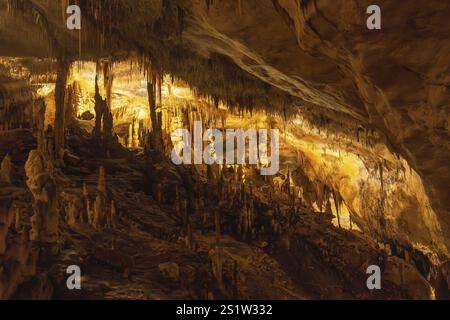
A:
(87, 122)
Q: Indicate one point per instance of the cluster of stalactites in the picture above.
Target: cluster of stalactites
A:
(253, 95)
(103, 115)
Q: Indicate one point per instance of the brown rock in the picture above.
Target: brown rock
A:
(170, 270)
(406, 276)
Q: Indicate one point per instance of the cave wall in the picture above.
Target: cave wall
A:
(405, 94)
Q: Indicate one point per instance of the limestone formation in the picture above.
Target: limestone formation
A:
(107, 124)
(135, 135)
(60, 102)
(6, 219)
(113, 215)
(39, 120)
(6, 170)
(362, 121)
(100, 201)
(17, 220)
(406, 276)
(100, 110)
(44, 222)
(130, 135)
(170, 270)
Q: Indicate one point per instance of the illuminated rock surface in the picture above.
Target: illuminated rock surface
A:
(364, 128)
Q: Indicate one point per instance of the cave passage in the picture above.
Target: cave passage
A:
(222, 150)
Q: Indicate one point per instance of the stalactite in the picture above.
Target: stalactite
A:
(85, 204)
(328, 207)
(113, 215)
(320, 195)
(70, 108)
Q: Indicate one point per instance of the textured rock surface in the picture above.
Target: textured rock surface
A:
(394, 81)
(365, 113)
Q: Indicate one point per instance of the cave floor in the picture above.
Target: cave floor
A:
(146, 257)
(123, 263)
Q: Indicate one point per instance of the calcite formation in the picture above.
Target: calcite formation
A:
(6, 170)
(44, 222)
(90, 121)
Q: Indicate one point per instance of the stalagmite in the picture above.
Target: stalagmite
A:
(71, 104)
(6, 169)
(5, 223)
(113, 214)
(217, 265)
(90, 212)
(108, 218)
(44, 222)
(60, 103)
(337, 204)
(39, 120)
(328, 207)
(17, 225)
(99, 108)
(50, 143)
(107, 132)
(100, 200)
(159, 84)
(156, 126)
(72, 213)
(351, 220)
(177, 202)
(135, 135)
